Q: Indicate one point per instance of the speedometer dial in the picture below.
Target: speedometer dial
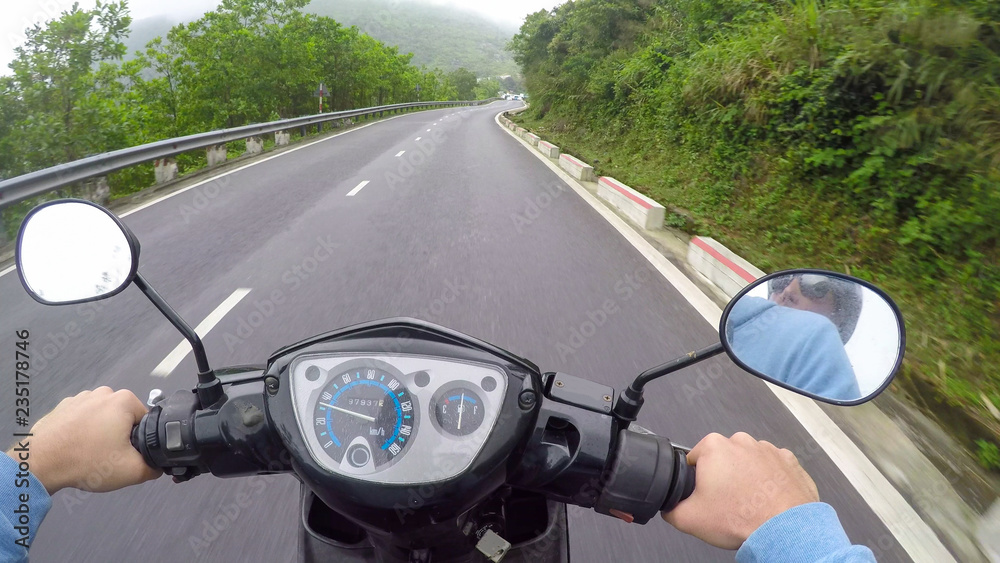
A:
(364, 419)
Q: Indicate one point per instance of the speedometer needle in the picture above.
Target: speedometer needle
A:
(352, 413)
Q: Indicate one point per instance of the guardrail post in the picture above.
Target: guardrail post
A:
(216, 154)
(255, 145)
(303, 130)
(165, 170)
(97, 190)
(281, 138)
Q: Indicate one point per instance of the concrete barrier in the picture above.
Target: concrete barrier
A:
(97, 190)
(721, 266)
(521, 131)
(164, 170)
(548, 149)
(642, 210)
(577, 169)
(216, 154)
(532, 139)
(255, 145)
(282, 138)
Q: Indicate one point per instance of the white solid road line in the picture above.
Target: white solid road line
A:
(215, 177)
(400, 153)
(174, 358)
(902, 521)
(359, 187)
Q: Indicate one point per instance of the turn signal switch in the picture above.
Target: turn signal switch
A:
(165, 435)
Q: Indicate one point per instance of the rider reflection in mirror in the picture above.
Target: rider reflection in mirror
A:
(797, 334)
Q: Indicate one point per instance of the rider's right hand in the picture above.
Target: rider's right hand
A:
(740, 484)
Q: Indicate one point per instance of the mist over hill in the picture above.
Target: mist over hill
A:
(438, 36)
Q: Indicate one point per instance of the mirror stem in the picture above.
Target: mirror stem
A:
(209, 386)
(630, 401)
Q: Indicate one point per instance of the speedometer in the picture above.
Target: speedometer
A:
(364, 418)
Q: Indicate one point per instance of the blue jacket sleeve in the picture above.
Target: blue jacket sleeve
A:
(23, 504)
(823, 367)
(810, 533)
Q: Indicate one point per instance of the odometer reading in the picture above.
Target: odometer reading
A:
(364, 418)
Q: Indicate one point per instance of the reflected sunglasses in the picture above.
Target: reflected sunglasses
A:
(813, 286)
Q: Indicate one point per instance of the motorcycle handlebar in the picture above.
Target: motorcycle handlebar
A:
(647, 475)
(229, 439)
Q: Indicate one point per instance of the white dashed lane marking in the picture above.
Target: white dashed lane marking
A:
(358, 188)
(174, 358)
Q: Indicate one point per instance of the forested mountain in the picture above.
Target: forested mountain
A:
(438, 36)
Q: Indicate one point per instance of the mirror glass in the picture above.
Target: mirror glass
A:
(72, 251)
(826, 335)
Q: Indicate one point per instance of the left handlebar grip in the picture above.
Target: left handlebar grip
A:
(144, 436)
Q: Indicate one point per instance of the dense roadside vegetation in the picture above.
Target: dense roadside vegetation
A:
(71, 94)
(857, 135)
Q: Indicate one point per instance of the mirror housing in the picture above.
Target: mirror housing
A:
(828, 336)
(74, 251)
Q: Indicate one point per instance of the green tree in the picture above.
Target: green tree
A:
(63, 103)
(464, 81)
(487, 88)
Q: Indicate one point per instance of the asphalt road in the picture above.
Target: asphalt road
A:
(462, 213)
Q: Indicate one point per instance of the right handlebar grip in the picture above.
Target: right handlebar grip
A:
(683, 482)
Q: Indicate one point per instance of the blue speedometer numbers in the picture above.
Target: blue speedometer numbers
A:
(459, 411)
(364, 417)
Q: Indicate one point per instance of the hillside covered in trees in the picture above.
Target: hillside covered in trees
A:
(438, 36)
(856, 135)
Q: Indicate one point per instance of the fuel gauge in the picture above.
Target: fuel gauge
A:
(459, 411)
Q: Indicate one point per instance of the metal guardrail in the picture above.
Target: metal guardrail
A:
(40, 182)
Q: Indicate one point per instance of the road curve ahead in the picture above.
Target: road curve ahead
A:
(439, 215)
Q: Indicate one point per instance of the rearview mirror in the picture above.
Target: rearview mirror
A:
(73, 251)
(831, 337)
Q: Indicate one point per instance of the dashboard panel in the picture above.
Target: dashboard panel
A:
(395, 418)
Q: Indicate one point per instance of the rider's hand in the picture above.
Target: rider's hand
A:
(740, 483)
(84, 443)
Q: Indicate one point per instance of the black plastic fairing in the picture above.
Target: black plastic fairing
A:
(397, 333)
(416, 515)
(566, 454)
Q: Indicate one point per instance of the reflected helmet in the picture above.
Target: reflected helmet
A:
(847, 297)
